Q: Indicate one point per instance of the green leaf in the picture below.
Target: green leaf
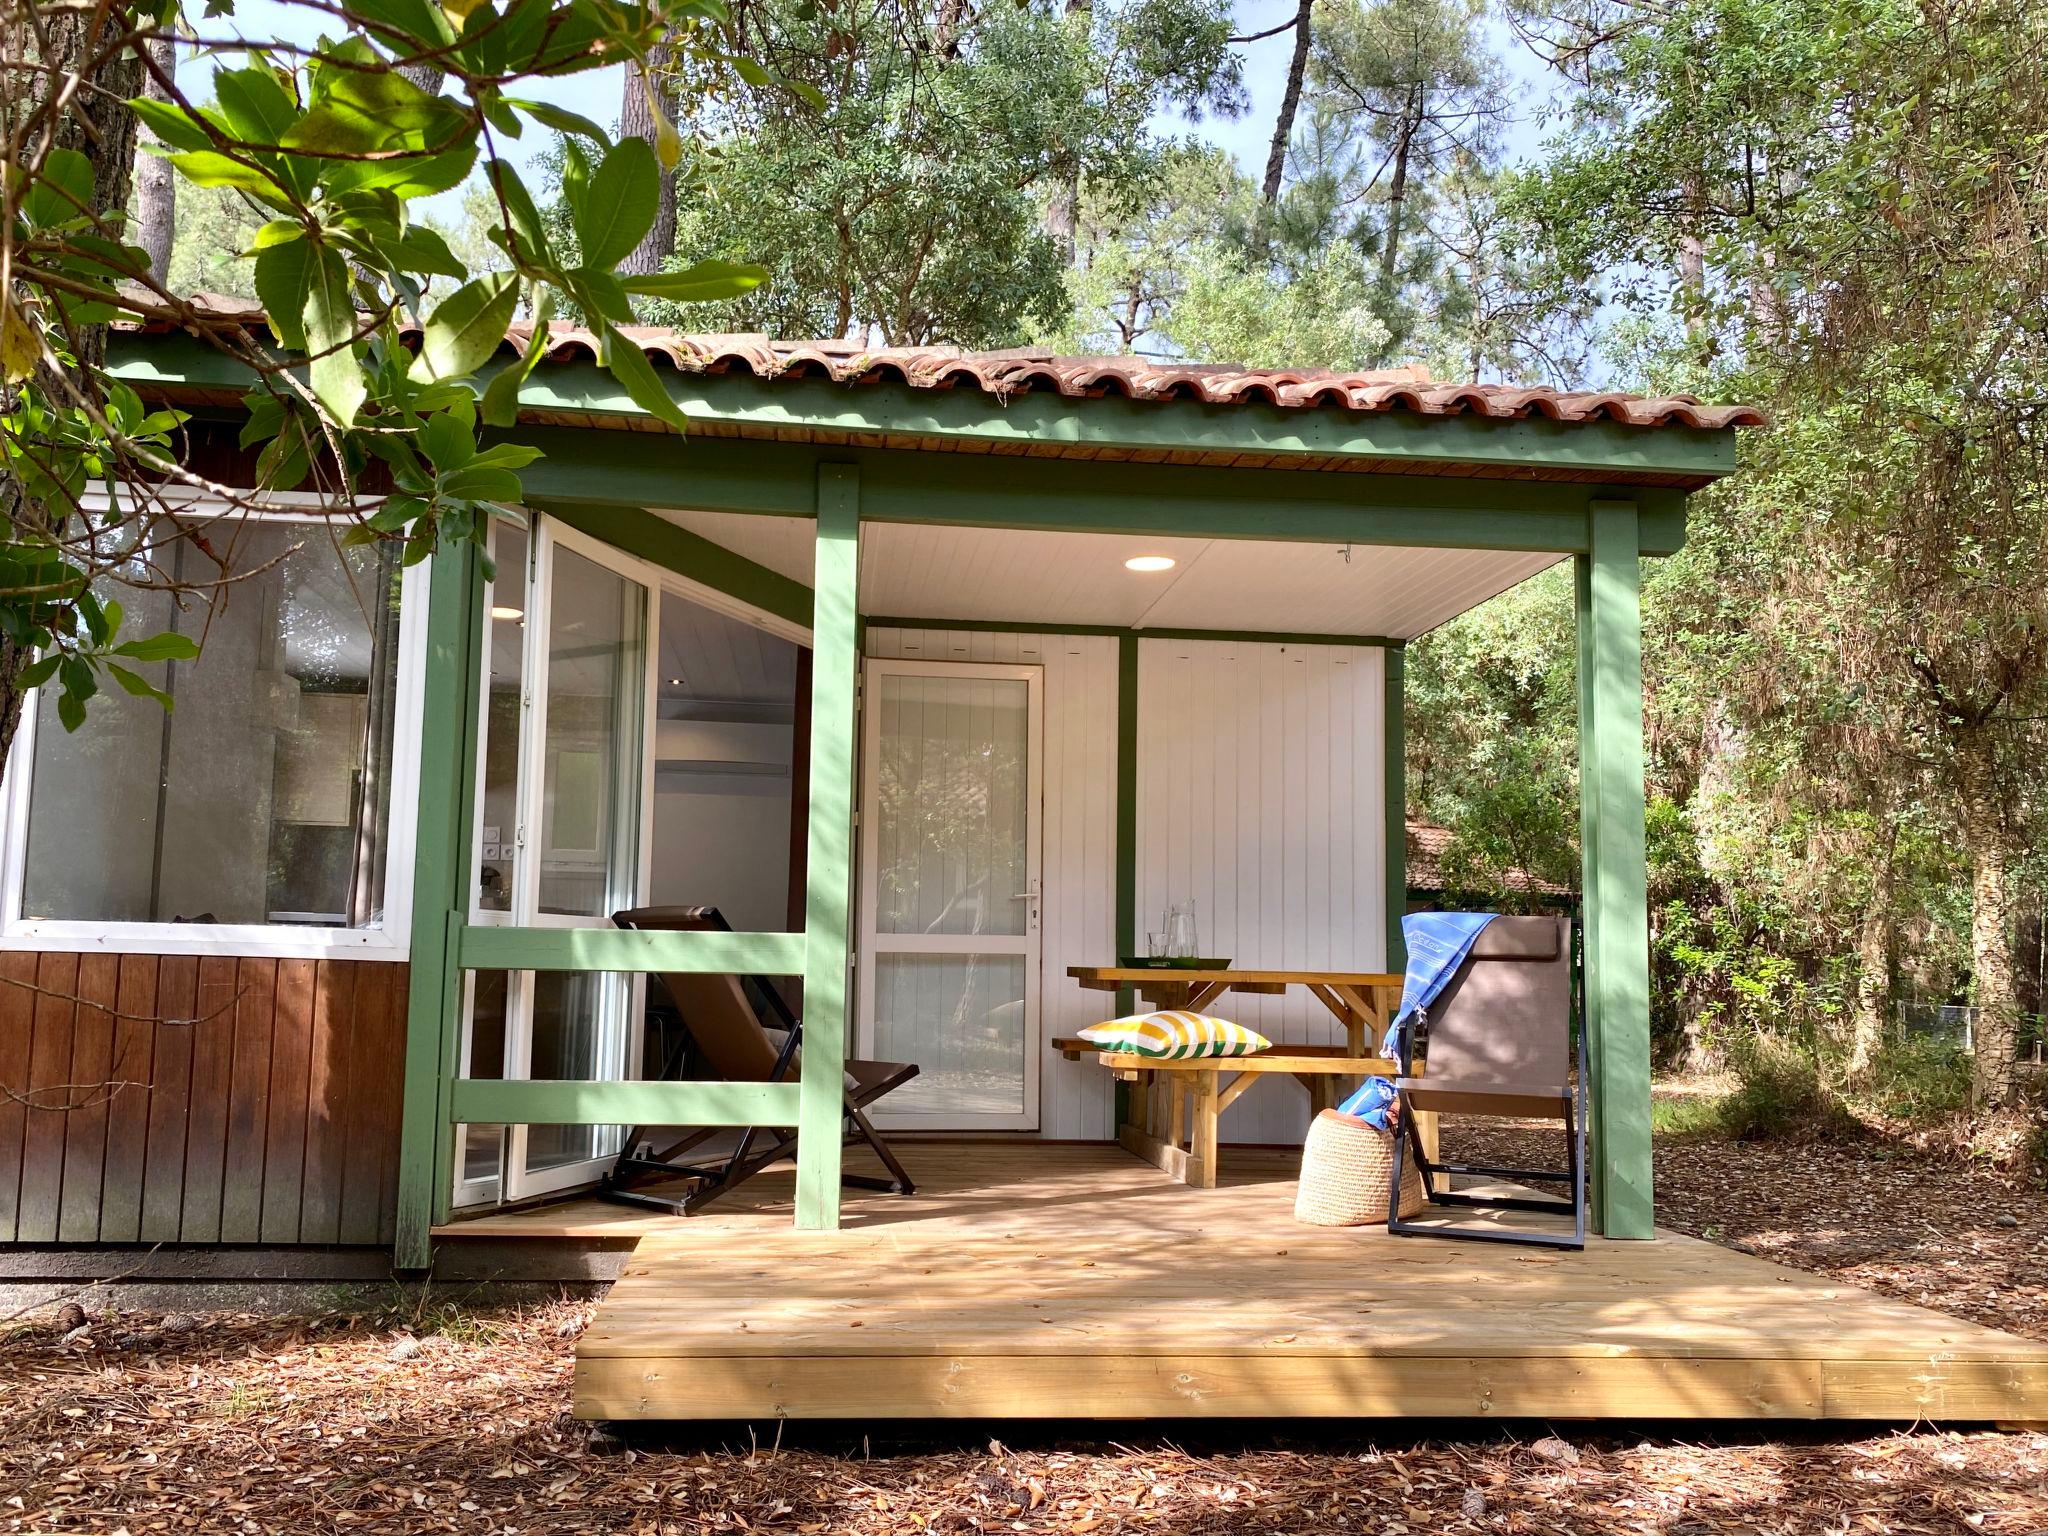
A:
(277, 232)
(561, 120)
(284, 279)
(37, 673)
(358, 112)
(178, 127)
(526, 221)
(448, 440)
(414, 176)
(258, 109)
(168, 646)
(706, 281)
(138, 685)
(425, 249)
(629, 365)
(480, 483)
(337, 377)
(70, 711)
(501, 395)
(467, 326)
(620, 206)
(508, 456)
(601, 295)
(62, 192)
(208, 168)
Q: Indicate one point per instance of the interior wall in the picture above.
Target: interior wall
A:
(1078, 856)
(1260, 785)
(720, 841)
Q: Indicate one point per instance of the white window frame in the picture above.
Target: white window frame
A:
(389, 940)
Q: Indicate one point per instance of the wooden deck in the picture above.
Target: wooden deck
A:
(1034, 1280)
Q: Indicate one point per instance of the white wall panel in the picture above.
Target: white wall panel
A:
(1078, 910)
(1260, 771)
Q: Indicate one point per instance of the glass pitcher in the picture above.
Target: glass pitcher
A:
(1183, 937)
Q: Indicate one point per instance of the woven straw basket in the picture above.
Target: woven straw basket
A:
(1345, 1168)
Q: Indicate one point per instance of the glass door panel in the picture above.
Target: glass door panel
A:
(597, 682)
(949, 954)
(562, 777)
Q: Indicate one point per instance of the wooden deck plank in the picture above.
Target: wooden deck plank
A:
(1074, 1281)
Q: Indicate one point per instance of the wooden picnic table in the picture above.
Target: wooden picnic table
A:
(1362, 1001)
(1174, 1106)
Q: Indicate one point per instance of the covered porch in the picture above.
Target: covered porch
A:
(1233, 726)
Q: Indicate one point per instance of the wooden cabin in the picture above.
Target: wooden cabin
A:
(941, 676)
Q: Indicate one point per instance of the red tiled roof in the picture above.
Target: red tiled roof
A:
(1022, 370)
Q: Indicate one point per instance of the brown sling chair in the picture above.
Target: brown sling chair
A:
(1500, 1041)
(740, 1030)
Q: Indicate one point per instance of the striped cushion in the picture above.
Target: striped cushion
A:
(1175, 1035)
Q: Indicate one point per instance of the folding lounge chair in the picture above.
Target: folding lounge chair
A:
(1500, 1041)
(723, 1017)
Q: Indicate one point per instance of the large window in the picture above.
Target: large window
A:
(275, 794)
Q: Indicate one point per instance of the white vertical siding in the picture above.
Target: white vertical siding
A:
(1078, 909)
(1260, 770)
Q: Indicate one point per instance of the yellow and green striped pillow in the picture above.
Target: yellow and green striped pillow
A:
(1174, 1035)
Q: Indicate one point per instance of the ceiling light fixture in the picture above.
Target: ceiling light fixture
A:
(1150, 563)
(508, 614)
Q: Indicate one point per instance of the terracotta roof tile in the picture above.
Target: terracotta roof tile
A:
(1021, 370)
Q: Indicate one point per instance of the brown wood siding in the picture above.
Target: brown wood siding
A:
(273, 1119)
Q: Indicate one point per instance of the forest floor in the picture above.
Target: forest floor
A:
(425, 1412)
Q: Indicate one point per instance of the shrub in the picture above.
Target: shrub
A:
(1919, 1079)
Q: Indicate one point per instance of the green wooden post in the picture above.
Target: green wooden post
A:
(828, 893)
(1126, 817)
(440, 863)
(1614, 877)
(1394, 794)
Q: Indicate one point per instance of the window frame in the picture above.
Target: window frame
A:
(390, 940)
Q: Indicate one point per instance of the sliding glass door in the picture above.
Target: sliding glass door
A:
(949, 925)
(561, 839)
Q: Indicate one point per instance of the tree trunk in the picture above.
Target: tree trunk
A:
(1994, 1073)
(425, 76)
(648, 90)
(1290, 102)
(1397, 195)
(156, 188)
(1872, 1013)
(1063, 202)
(1692, 259)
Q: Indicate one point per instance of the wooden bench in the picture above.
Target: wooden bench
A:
(1175, 1105)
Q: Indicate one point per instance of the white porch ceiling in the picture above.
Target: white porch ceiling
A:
(922, 571)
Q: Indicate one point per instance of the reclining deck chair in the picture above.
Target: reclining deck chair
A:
(723, 1018)
(1499, 1041)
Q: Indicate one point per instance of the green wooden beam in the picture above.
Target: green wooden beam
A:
(508, 1101)
(1615, 871)
(440, 875)
(973, 416)
(1024, 627)
(481, 948)
(1126, 809)
(587, 466)
(660, 542)
(1394, 801)
(828, 889)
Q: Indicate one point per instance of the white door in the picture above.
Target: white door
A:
(949, 902)
(561, 838)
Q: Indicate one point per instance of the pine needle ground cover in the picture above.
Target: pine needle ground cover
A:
(412, 1414)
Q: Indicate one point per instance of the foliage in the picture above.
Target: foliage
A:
(901, 190)
(325, 148)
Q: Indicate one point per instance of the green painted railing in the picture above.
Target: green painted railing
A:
(623, 949)
(504, 1101)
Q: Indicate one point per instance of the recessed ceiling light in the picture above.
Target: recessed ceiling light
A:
(675, 682)
(1149, 563)
(508, 614)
